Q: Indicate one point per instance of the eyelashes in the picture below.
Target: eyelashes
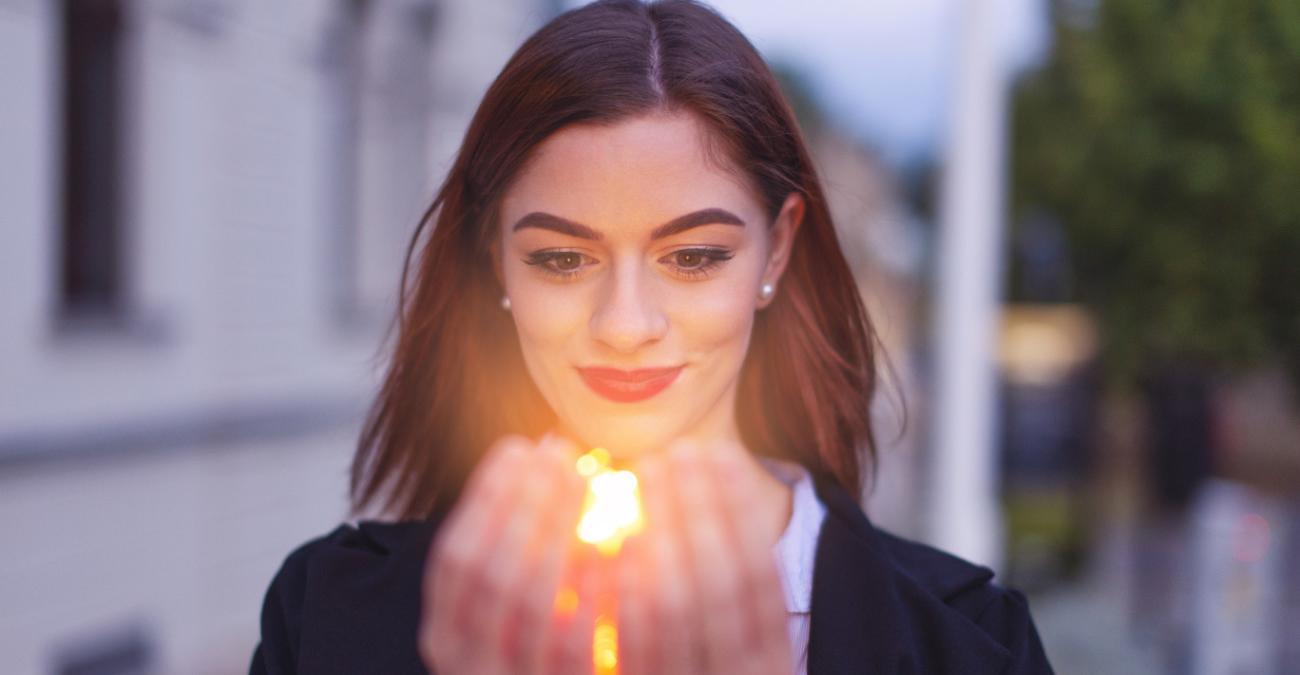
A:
(694, 263)
(559, 263)
(697, 262)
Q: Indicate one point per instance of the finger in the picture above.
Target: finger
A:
(454, 560)
(570, 650)
(633, 612)
(714, 573)
(549, 546)
(668, 591)
(515, 602)
(767, 631)
(489, 479)
(493, 587)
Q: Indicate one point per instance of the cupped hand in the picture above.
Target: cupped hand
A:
(496, 564)
(699, 588)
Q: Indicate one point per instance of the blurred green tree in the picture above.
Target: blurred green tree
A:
(1164, 136)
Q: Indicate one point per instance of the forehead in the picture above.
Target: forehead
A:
(632, 175)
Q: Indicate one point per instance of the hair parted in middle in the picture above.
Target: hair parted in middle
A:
(456, 380)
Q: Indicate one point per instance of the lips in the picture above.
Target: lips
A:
(628, 386)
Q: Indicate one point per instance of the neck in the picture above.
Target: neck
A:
(778, 502)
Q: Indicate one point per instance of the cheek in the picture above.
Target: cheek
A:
(546, 316)
(714, 320)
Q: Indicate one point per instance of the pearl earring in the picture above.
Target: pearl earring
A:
(766, 291)
(505, 302)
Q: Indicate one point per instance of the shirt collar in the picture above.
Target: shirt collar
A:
(796, 550)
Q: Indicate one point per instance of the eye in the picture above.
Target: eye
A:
(689, 259)
(560, 263)
(696, 262)
(567, 262)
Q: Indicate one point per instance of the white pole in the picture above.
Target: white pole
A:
(963, 511)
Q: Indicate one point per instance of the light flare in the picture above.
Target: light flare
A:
(611, 512)
(604, 646)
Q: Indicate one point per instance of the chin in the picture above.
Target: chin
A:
(631, 437)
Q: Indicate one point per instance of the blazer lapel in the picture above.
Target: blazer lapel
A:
(871, 616)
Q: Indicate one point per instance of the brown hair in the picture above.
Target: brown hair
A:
(457, 379)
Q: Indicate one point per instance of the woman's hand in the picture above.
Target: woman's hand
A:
(699, 590)
(495, 567)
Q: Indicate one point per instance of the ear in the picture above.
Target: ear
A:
(782, 236)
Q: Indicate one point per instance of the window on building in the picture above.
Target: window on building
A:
(377, 64)
(92, 274)
(343, 65)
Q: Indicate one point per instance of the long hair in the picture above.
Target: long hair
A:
(457, 380)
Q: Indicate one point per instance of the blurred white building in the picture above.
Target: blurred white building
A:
(885, 246)
(203, 210)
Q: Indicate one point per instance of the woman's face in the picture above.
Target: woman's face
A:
(634, 267)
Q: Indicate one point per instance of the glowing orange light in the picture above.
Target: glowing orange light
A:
(592, 462)
(610, 514)
(604, 647)
(612, 511)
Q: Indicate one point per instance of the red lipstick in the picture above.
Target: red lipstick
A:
(628, 386)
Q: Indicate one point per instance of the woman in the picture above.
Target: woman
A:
(631, 251)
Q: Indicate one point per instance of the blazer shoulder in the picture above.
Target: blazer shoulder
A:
(331, 564)
(941, 573)
(1000, 612)
(905, 607)
(367, 540)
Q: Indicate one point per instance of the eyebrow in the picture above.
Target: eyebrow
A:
(710, 216)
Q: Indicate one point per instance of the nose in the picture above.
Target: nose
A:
(628, 315)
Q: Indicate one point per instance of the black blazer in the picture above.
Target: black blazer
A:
(349, 602)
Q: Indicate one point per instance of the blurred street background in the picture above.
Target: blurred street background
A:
(1076, 223)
